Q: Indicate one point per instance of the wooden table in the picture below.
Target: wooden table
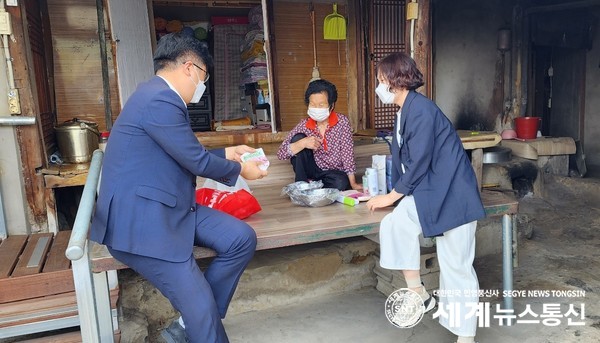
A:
(59, 176)
(477, 141)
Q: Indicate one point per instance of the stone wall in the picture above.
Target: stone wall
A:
(276, 277)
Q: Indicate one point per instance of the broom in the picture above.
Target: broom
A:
(315, 71)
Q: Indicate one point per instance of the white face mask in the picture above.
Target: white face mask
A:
(318, 114)
(200, 88)
(384, 94)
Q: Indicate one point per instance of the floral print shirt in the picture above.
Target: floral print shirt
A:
(336, 152)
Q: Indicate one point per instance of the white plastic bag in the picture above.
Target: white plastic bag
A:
(240, 184)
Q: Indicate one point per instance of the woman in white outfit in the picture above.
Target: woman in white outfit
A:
(436, 193)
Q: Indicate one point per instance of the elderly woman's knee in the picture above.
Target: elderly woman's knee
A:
(297, 137)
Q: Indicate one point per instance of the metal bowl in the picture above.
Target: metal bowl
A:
(496, 154)
(315, 197)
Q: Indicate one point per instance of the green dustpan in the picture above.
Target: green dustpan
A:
(334, 27)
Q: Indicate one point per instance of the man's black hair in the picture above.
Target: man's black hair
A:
(175, 47)
(320, 86)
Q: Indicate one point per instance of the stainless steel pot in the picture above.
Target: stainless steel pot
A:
(77, 139)
(496, 154)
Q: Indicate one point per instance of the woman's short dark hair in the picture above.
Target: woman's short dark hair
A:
(400, 71)
(320, 86)
(175, 48)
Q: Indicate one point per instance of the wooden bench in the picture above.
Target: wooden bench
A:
(279, 224)
(36, 283)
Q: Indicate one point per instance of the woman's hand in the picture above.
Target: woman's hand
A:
(356, 186)
(311, 142)
(380, 201)
(234, 153)
(251, 170)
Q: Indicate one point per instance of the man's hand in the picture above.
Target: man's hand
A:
(234, 153)
(381, 201)
(251, 170)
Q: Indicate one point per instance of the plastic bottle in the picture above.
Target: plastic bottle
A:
(347, 200)
(388, 173)
(261, 98)
(103, 140)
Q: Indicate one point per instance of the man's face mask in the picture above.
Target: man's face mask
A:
(384, 93)
(200, 88)
(318, 114)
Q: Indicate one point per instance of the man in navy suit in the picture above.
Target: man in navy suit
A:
(146, 213)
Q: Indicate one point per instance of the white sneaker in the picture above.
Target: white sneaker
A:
(412, 308)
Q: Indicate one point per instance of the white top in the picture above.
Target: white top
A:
(173, 88)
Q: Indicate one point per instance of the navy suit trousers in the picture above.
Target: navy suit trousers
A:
(201, 298)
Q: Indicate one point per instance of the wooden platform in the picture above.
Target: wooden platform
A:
(36, 284)
(48, 309)
(281, 223)
(34, 266)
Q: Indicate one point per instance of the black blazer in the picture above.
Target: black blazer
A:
(437, 171)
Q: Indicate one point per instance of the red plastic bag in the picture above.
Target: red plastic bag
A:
(239, 204)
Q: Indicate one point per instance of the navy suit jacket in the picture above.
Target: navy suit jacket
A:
(437, 171)
(146, 202)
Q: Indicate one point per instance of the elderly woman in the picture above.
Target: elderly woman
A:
(320, 147)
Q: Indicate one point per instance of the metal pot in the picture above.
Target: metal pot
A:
(77, 139)
(496, 154)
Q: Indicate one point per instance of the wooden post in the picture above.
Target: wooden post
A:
(477, 163)
(28, 136)
(423, 45)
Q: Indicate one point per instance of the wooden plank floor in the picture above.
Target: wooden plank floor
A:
(36, 285)
(34, 266)
(45, 308)
(68, 337)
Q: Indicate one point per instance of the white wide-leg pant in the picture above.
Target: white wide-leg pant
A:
(400, 250)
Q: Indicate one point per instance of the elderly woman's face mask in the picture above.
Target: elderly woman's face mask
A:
(318, 107)
(318, 114)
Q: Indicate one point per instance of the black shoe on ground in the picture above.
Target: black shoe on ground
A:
(174, 333)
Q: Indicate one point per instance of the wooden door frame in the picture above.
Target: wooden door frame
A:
(270, 49)
(30, 144)
(423, 55)
(357, 64)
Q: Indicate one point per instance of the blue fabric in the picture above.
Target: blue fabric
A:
(146, 202)
(201, 298)
(438, 172)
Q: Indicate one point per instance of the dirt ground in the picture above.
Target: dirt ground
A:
(559, 241)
